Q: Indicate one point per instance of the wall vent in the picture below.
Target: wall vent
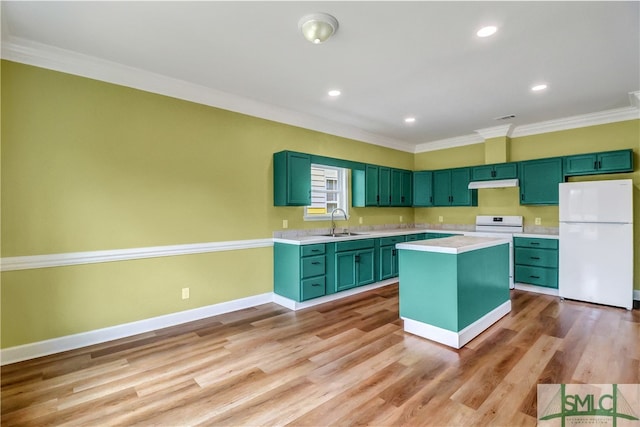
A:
(510, 116)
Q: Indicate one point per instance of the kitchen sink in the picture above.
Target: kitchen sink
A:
(343, 234)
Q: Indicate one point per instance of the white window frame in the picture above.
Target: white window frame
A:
(342, 191)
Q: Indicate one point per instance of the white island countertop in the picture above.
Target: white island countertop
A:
(453, 245)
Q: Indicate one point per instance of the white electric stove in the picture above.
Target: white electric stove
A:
(500, 226)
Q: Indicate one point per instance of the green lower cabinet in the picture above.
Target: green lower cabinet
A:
(354, 268)
(299, 272)
(536, 261)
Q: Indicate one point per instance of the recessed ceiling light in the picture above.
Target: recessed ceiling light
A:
(537, 88)
(487, 31)
(334, 92)
(410, 120)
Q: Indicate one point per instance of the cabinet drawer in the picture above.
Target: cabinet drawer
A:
(414, 237)
(353, 245)
(309, 250)
(313, 266)
(530, 242)
(313, 288)
(540, 276)
(537, 257)
(386, 241)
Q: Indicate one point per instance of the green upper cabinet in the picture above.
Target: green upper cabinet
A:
(291, 179)
(423, 188)
(381, 186)
(497, 171)
(371, 191)
(384, 186)
(539, 181)
(401, 187)
(451, 188)
(596, 163)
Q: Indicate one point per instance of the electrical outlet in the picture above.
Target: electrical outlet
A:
(285, 223)
(360, 220)
(440, 218)
(400, 218)
(185, 293)
(538, 221)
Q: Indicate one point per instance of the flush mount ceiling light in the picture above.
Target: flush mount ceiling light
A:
(409, 120)
(487, 31)
(539, 87)
(334, 93)
(318, 27)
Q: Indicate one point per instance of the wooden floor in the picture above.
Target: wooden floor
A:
(343, 363)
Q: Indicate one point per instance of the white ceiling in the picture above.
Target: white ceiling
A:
(389, 59)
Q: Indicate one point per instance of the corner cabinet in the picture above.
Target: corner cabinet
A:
(451, 188)
(291, 179)
(423, 189)
(599, 163)
(539, 180)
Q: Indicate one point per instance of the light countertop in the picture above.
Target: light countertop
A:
(309, 240)
(453, 245)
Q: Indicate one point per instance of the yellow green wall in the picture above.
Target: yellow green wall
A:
(88, 165)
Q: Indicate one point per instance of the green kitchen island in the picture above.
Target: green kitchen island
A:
(452, 289)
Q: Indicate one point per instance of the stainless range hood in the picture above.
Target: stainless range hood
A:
(497, 183)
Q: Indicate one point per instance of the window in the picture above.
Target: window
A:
(328, 192)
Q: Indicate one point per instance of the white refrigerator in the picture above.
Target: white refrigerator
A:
(596, 242)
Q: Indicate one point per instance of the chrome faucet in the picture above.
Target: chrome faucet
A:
(333, 221)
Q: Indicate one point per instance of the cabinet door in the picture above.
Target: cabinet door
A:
(505, 171)
(460, 193)
(482, 173)
(386, 262)
(396, 187)
(539, 181)
(345, 270)
(365, 267)
(384, 186)
(423, 188)
(442, 188)
(616, 161)
(580, 165)
(407, 188)
(372, 176)
(291, 179)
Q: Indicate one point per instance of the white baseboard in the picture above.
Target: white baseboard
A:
(456, 339)
(70, 342)
(295, 305)
(536, 289)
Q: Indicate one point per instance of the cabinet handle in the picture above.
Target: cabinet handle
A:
(595, 165)
(316, 263)
(534, 243)
(393, 252)
(599, 164)
(315, 250)
(378, 198)
(430, 199)
(357, 258)
(535, 257)
(315, 284)
(402, 199)
(522, 196)
(389, 199)
(535, 277)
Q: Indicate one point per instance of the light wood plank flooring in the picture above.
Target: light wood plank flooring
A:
(343, 363)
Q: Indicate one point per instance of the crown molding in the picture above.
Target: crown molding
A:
(496, 131)
(44, 56)
(49, 57)
(584, 120)
(457, 141)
